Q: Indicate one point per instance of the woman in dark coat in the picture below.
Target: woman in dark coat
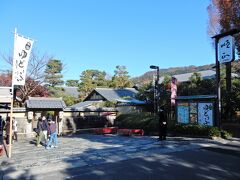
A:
(162, 124)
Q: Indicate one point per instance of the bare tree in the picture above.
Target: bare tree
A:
(35, 75)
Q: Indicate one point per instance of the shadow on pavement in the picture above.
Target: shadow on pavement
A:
(194, 164)
(111, 157)
(9, 168)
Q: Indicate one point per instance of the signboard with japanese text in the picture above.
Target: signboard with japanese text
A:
(193, 113)
(205, 114)
(22, 50)
(193, 108)
(183, 113)
(226, 49)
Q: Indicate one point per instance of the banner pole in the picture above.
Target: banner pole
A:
(11, 112)
(11, 118)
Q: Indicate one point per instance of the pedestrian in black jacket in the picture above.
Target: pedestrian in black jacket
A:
(42, 129)
(2, 124)
(162, 124)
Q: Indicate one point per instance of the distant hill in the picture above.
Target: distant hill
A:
(148, 76)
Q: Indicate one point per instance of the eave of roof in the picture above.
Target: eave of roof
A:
(84, 104)
(196, 97)
(130, 102)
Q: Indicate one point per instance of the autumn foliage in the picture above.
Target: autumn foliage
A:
(6, 79)
(223, 16)
(31, 87)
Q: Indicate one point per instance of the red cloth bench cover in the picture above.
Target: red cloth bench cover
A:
(109, 130)
(131, 131)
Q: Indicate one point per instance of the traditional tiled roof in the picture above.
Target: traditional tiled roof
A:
(83, 104)
(111, 94)
(45, 103)
(124, 96)
(73, 91)
(89, 106)
(207, 74)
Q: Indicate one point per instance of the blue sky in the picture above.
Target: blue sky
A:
(101, 34)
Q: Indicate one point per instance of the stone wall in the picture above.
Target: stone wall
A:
(70, 123)
(23, 124)
(74, 121)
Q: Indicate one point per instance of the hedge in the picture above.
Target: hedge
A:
(145, 121)
(149, 123)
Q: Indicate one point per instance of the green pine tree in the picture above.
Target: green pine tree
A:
(53, 74)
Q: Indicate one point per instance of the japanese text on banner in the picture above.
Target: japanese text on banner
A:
(22, 50)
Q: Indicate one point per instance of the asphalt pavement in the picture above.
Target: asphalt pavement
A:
(119, 157)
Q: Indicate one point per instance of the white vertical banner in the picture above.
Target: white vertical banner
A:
(21, 54)
(173, 91)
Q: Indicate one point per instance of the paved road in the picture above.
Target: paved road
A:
(188, 165)
(118, 157)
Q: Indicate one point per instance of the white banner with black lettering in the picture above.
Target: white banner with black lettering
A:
(21, 54)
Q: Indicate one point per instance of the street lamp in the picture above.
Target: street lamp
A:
(156, 89)
(159, 111)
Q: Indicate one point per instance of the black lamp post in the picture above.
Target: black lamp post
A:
(156, 103)
(159, 111)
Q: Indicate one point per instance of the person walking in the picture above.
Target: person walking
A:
(41, 131)
(162, 124)
(1, 126)
(52, 130)
(15, 129)
(7, 130)
(45, 129)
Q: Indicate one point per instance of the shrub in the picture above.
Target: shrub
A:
(144, 121)
(214, 132)
(149, 123)
(225, 134)
(152, 125)
(196, 130)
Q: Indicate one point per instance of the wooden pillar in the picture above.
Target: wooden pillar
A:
(228, 91)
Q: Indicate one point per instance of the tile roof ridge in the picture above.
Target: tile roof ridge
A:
(45, 98)
(114, 88)
(105, 88)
